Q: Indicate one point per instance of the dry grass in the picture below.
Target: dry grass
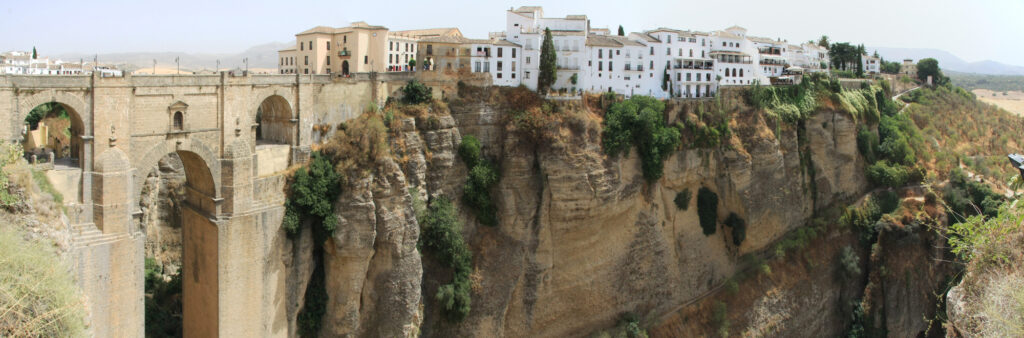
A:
(358, 145)
(37, 295)
(1013, 101)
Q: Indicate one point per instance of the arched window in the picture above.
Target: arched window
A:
(179, 121)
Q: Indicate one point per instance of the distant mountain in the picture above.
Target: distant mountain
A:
(948, 61)
(261, 56)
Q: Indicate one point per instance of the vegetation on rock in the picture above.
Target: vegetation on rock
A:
(639, 121)
(707, 210)
(682, 199)
(415, 92)
(440, 237)
(482, 179)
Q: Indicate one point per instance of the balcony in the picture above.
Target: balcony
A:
(561, 67)
(482, 54)
(344, 53)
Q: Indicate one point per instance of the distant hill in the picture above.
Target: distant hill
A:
(948, 61)
(261, 56)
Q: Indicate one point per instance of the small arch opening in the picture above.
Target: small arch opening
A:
(179, 121)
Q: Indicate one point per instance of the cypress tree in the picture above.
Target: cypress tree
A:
(548, 63)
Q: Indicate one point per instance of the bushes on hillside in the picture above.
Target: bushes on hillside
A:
(965, 197)
(707, 210)
(416, 93)
(884, 174)
(639, 122)
(738, 226)
(313, 192)
(482, 179)
(440, 237)
(682, 199)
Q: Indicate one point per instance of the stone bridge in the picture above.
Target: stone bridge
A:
(234, 135)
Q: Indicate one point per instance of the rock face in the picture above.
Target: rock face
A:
(162, 194)
(583, 238)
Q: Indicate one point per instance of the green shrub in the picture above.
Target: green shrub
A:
(738, 226)
(639, 122)
(44, 184)
(440, 237)
(310, 317)
(482, 179)
(469, 150)
(707, 210)
(884, 174)
(314, 190)
(867, 143)
(416, 93)
(720, 318)
(682, 199)
(850, 262)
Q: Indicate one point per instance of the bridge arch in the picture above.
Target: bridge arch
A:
(80, 125)
(190, 145)
(200, 218)
(273, 115)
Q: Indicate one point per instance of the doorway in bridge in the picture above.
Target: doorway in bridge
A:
(177, 207)
(344, 68)
(274, 135)
(57, 129)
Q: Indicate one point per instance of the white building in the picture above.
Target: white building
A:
(499, 57)
(22, 63)
(816, 57)
(525, 27)
(771, 56)
(734, 58)
(871, 64)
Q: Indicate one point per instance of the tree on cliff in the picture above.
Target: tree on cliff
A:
(823, 41)
(548, 65)
(34, 55)
(929, 67)
(622, 32)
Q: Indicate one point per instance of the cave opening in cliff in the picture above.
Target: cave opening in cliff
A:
(177, 204)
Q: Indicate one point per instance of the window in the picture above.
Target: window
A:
(391, 46)
(526, 75)
(652, 50)
(513, 68)
(527, 62)
(590, 63)
(499, 55)
(723, 43)
(366, 59)
(513, 52)
(600, 53)
(499, 66)
(389, 58)
(302, 46)
(609, 66)
(687, 76)
(600, 66)
(328, 60)
(311, 45)
(668, 51)
(652, 64)
(476, 67)
(741, 73)
(430, 49)
(679, 76)
(328, 45)
(708, 76)
(691, 52)
(305, 71)
(328, 70)
(499, 75)
(344, 39)
(513, 75)
(179, 121)
(618, 52)
(307, 61)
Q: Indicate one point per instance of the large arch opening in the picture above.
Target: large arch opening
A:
(56, 128)
(274, 134)
(178, 206)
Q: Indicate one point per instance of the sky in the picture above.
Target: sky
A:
(973, 30)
